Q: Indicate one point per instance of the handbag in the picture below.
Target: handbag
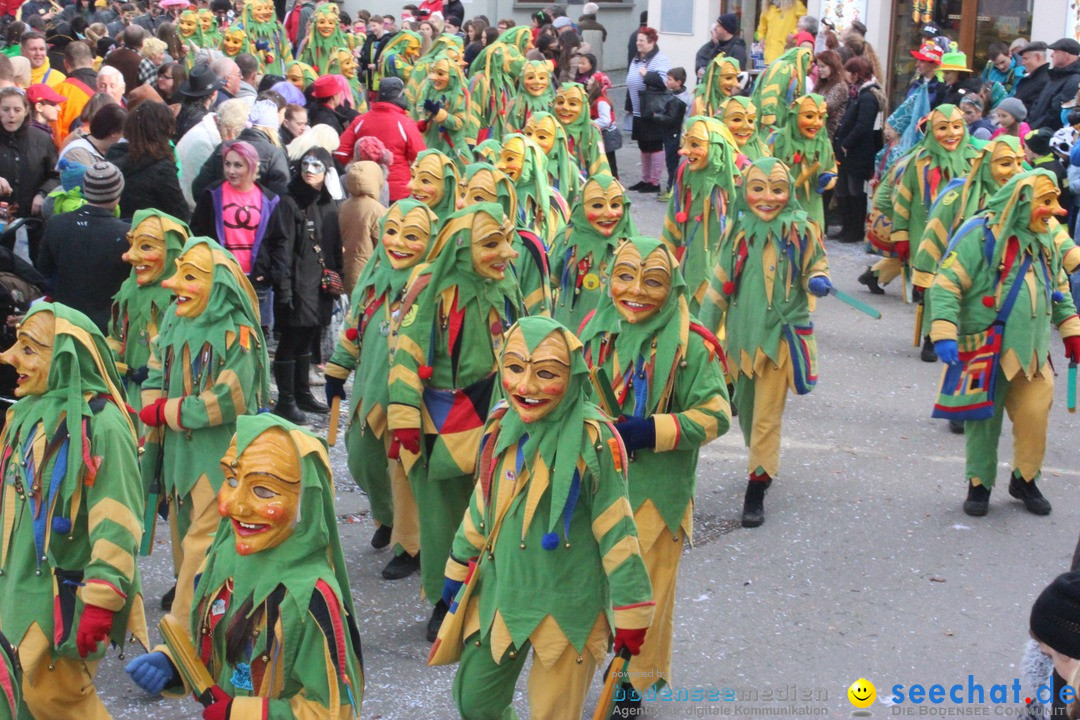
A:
(613, 139)
(330, 283)
(968, 387)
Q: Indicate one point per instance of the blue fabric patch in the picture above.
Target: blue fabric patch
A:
(241, 677)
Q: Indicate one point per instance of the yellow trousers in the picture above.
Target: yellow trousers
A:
(406, 532)
(1028, 404)
(887, 269)
(198, 518)
(60, 688)
(653, 663)
(761, 400)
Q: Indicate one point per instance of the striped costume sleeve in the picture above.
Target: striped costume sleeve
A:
(414, 339)
(907, 193)
(114, 504)
(470, 537)
(1064, 310)
(935, 239)
(815, 263)
(701, 389)
(1067, 248)
(235, 384)
(616, 537)
(952, 281)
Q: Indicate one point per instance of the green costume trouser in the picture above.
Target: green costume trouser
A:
(441, 504)
(1028, 404)
(368, 466)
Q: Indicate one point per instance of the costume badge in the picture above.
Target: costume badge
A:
(217, 608)
(241, 677)
(384, 328)
(950, 198)
(410, 317)
(591, 281)
(948, 261)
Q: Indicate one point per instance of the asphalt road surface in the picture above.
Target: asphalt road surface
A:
(865, 567)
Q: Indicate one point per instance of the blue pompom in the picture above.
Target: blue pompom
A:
(550, 541)
(1058, 296)
(61, 525)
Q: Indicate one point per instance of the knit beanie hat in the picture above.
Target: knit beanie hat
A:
(1055, 616)
(1014, 107)
(1038, 141)
(590, 8)
(729, 22)
(102, 183)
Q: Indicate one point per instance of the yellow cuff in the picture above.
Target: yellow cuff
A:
(942, 330)
(103, 595)
(1070, 328)
(400, 417)
(667, 432)
(455, 570)
(336, 371)
(1071, 260)
(247, 708)
(922, 279)
(150, 395)
(632, 617)
(171, 413)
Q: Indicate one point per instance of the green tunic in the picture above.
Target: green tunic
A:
(811, 160)
(586, 142)
(523, 104)
(71, 502)
(451, 133)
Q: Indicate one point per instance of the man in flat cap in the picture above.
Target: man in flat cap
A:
(1064, 79)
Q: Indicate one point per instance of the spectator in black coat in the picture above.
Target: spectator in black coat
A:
(27, 160)
(633, 51)
(725, 40)
(148, 163)
(82, 253)
(1036, 74)
(1062, 84)
(857, 141)
(264, 136)
(310, 236)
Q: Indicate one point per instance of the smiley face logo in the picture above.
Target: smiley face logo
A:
(862, 693)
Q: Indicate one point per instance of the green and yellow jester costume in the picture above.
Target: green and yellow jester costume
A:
(482, 182)
(581, 259)
(442, 377)
(399, 54)
(70, 513)
(559, 566)
(759, 298)
(586, 143)
(703, 194)
(191, 34)
(283, 644)
(139, 306)
(235, 41)
(493, 79)
(541, 208)
(366, 345)
(268, 36)
(564, 174)
(442, 44)
(434, 181)
(208, 366)
(719, 84)
(535, 93)
(1007, 246)
(777, 87)
(739, 115)
(442, 110)
(667, 372)
(803, 145)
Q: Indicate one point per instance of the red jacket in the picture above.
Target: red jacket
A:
(398, 133)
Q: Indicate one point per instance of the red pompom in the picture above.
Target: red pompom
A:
(681, 216)
(697, 218)
(797, 158)
(729, 288)
(351, 334)
(988, 301)
(425, 372)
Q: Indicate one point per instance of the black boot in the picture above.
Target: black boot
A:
(956, 427)
(978, 500)
(435, 622)
(927, 354)
(855, 220)
(1026, 491)
(285, 376)
(304, 399)
(381, 538)
(753, 513)
(869, 279)
(627, 703)
(401, 566)
(167, 599)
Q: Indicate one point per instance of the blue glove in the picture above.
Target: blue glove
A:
(450, 590)
(152, 672)
(947, 351)
(819, 285)
(432, 107)
(637, 433)
(335, 388)
(262, 45)
(823, 182)
(138, 375)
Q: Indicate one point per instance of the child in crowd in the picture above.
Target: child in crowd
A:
(1011, 114)
(972, 108)
(672, 120)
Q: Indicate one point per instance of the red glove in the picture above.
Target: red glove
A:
(632, 640)
(219, 709)
(408, 438)
(94, 626)
(1072, 348)
(153, 415)
(903, 250)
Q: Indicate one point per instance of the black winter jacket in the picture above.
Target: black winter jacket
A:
(1029, 87)
(1060, 88)
(27, 162)
(735, 47)
(856, 139)
(273, 165)
(148, 184)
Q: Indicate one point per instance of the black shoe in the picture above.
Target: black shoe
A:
(401, 566)
(381, 538)
(956, 427)
(304, 399)
(309, 403)
(928, 354)
(649, 188)
(433, 625)
(637, 185)
(753, 513)
(978, 500)
(1026, 491)
(629, 704)
(167, 598)
(869, 279)
(284, 376)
